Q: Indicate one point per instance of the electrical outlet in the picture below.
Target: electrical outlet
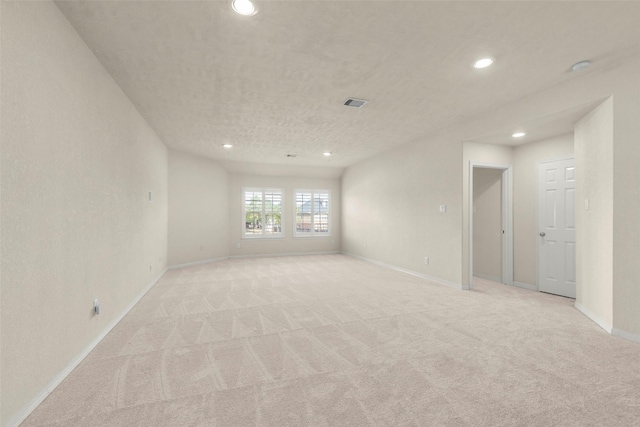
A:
(238, 245)
(97, 308)
(426, 260)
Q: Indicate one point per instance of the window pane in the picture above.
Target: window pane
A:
(304, 209)
(321, 214)
(273, 212)
(253, 212)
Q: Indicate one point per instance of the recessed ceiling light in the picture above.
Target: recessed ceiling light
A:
(227, 145)
(326, 153)
(582, 65)
(244, 7)
(483, 63)
(518, 134)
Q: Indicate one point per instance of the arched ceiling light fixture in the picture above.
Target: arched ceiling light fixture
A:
(518, 134)
(244, 7)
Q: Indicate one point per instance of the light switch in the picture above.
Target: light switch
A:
(586, 204)
(443, 208)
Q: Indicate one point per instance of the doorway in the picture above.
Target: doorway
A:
(503, 243)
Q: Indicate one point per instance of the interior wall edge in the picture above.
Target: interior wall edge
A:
(279, 254)
(525, 286)
(597, 320)
(488, 277)
(190, 264)
(73, 363)
(404, 270)
(624, 334)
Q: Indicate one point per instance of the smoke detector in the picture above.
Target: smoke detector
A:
(353, 102)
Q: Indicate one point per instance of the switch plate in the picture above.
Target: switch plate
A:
(426, 260)
(97, 308)
(586, 204)
(443, 208)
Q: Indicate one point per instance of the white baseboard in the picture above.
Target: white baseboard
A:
(283, 254)
(487, 277)
(525, 286)
(604, 325)
(204, 261)
(404, 270)
(625, 334)
(60, 376)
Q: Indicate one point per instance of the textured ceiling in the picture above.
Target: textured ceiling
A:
(273, 84)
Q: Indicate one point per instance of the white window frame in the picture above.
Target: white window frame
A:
(312, 232)
(262, 235)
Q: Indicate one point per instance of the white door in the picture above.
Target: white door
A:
(556, 227)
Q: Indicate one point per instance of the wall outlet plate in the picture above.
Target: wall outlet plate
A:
(426, 260)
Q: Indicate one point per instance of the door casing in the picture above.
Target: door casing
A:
(507, 220)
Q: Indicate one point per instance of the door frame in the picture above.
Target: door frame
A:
(507, 219)
(538, 163)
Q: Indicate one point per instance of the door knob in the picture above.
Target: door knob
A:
(542, 234)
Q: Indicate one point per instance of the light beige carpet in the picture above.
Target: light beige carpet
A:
(331, 340)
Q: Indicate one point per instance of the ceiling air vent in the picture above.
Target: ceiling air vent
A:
(352, 102)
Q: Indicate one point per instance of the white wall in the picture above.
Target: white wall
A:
(626, 206)
(525, 240)
(78, 162)
(594, 253)
(391, 208)
(198, 209)
(288, 244)
(487, 223)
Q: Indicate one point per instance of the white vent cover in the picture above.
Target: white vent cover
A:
(352, 102)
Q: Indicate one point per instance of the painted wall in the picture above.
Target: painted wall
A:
(391, 208)
(525, 240)
(198, 209)
(288, 244)
(487, 223)
(594, 230)
(626, 206)
(78, 162)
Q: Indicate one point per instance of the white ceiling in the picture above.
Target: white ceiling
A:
(273, 84)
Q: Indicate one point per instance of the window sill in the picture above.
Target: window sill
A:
(262, 237)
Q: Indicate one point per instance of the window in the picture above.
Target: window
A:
(312, 213)
(262, 213)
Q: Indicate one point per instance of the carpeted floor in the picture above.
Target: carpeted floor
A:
(331, 340)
